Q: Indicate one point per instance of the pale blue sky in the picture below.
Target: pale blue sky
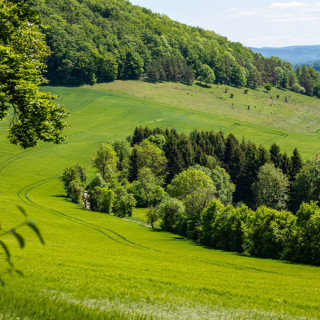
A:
(254, 23)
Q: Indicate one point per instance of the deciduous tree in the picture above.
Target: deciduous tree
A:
(271, 188)
(106, 161)
(206, 74)
(22, 55)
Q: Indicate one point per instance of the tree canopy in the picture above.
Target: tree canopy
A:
(97, 41)
(22, 56)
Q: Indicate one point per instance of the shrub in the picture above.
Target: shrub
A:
(172, 214)
(222, 227)
(268, 232)
(305, 243)
(73, 179)
(124, 202)
(152, 215)
(101, 199)
(271, 188)
(146, 189)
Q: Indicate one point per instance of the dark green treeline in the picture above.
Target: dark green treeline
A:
(241, 159)
(103, 40)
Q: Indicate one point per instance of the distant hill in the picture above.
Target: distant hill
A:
(315, 65)
(294, 54)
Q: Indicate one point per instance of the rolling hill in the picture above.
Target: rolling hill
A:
(96, 266)
(100, 41)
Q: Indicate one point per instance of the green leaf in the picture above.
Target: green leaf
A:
(19, 238)
(33, 226)
(22, 210)
(5, 248)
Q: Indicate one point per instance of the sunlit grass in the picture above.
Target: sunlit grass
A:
(96, 266)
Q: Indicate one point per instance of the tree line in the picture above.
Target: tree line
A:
(217, 190)
(98, 41)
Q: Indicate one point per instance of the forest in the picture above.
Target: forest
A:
(97, 41)
(205, 187)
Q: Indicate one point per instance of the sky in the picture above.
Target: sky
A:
(254, 23)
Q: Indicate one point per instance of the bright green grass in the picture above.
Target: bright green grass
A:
(96, 266)
(301, 114)
(293, 124)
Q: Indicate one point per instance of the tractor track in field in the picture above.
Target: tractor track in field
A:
(4, 164)
(12, 159)
(23, 194)
(112, 121)
(177, 119)
(84, 103)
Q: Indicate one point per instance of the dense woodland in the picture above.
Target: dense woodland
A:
(205, 186)
(103, 40)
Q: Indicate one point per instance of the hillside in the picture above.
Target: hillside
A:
(293, 54)
(96, 266)
(98, 41)
(301, 115)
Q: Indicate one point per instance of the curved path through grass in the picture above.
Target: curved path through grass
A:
(96, 266)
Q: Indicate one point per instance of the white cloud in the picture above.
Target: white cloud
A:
(290, 17)
(318, 4)
(239, 12)
(292, 4)
(248, 13)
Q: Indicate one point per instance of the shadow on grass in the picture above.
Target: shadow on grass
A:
(176, 237)
(156, 229)
(59, 196)
(202, 85)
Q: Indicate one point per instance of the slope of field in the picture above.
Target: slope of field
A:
(262, 117)
(96, 266)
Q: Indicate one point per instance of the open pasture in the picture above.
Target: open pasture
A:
(96, 266)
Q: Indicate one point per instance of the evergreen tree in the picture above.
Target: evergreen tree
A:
(248, 176)
(233, 157)
(296, 164)
(285, 164)
(275, 155)
(263, 156)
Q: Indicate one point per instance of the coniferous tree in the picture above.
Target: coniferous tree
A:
(248, 176)
(233, 158)
(296, 164)
(275, 155)
(173, 155)
(263, 156)
(285, 165)
(134, 166)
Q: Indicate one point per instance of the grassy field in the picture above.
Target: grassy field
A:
(300, 115)
(96, 266)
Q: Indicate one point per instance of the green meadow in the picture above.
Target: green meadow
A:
(96, 266)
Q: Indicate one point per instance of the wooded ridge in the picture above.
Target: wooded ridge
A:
(99, 41)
